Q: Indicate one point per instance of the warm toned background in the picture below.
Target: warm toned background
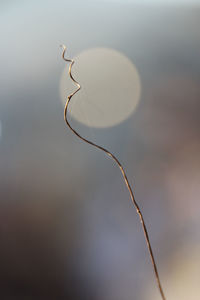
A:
(67, 227)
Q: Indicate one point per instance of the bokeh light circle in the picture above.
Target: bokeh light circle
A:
(110, 87)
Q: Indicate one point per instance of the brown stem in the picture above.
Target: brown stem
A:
(121, 169)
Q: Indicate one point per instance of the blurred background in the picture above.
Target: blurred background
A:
(68, 229)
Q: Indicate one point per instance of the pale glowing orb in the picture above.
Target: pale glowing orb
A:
(110, 87)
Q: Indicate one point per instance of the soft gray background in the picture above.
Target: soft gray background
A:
(67, 227)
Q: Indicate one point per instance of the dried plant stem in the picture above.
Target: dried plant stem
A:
(121, 169)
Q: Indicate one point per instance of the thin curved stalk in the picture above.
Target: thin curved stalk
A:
(71, 61)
